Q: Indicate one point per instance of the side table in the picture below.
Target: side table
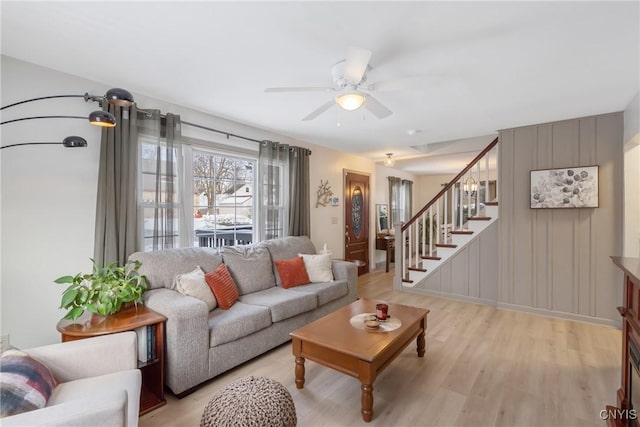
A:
(129, 319)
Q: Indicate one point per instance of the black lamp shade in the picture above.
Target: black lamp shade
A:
(102, 118)
(118, 96)
(74, 142)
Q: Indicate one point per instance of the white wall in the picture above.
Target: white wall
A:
(632, 178)
(48, 198)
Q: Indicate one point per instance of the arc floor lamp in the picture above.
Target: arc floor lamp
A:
(115, 96)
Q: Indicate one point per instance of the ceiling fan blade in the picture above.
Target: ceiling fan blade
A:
(315, 113)
(299, 89)
(376, 108)
(356, 64)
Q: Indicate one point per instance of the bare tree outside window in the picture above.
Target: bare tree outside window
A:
(223, 199)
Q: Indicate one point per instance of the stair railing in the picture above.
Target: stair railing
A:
(430, 227)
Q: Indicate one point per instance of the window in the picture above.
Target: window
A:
(223, 198)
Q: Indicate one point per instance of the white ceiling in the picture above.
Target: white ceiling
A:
(479, 66)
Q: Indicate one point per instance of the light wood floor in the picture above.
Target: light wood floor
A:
(483, 367)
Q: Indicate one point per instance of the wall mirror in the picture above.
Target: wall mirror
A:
(382, 218)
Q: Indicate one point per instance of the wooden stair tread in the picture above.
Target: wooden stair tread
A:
(434, 258)
(418, 267)
(461, 232)
(492, 203)
(406, 279)
(479, 218)
(445, 245)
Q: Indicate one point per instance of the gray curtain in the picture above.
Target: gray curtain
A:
(394, 200)
(407, 199)
(116, 230)
(161, 163)
(283, 191)
(273, 163)
(299, 188)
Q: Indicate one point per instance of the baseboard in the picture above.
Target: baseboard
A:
(463, 298)
(561, 314)
(540, 311)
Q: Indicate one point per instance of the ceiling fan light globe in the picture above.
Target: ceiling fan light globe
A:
(350, 101)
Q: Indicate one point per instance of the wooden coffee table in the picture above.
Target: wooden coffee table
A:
(334, 342)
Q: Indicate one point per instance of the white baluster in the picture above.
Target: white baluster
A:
(487, 196)
(431, 230)
(445, 219)
(438, 220)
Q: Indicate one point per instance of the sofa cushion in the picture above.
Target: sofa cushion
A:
(237, 322)
(325, 292)
(292, 272)
(222, 286)
(193, 284)
(161, 267)
(250, 266)
(25, 383)
(318, 267)
(283, 303)
(287, 248)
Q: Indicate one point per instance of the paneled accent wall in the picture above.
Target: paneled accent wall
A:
(558, 259)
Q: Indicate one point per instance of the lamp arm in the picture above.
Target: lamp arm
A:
(86, 97)
(31, 143)
(43, 117)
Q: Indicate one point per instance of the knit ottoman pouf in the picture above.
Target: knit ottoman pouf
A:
(251, 401)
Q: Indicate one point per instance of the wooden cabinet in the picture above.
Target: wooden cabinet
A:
(627, 411)
(130, 319)
(387, 244)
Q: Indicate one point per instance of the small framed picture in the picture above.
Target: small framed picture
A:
(575, 187)
(335, 201)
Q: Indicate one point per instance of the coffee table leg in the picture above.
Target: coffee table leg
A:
(421, 344)
(299, 372)
(367, 402)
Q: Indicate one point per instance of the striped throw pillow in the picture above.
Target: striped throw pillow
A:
(25, 383)
(223, 286)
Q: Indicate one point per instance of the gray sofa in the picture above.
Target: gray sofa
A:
(201, 344)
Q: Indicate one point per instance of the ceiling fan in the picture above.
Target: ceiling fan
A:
(349, 76)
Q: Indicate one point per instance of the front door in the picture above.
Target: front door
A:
(356, 222)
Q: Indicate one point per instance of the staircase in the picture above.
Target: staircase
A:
(447, 225)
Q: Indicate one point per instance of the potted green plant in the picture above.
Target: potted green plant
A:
(104, 291)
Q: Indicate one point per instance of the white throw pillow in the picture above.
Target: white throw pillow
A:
(318, 267)
(194, 285)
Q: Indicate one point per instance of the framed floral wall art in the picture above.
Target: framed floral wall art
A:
(575, 187)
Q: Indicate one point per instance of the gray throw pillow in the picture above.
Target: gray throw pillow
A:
(250, 267)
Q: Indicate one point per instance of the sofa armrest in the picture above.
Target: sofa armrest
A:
(89, 357)
(345, 270)
(106, 409)
(187, 337)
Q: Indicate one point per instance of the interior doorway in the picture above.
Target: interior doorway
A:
(356, 219)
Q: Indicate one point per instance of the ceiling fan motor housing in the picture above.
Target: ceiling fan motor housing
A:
(337, 72)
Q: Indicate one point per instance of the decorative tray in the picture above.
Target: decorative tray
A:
(358, 321)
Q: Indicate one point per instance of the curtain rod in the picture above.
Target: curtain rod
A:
(228, 134)
(221, 132)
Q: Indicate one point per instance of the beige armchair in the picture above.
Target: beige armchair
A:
(99, 383)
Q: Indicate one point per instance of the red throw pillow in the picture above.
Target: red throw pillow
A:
(222, 286)
(292, 272)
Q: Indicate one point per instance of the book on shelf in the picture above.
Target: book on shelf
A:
(141, 332)
(146, 343)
